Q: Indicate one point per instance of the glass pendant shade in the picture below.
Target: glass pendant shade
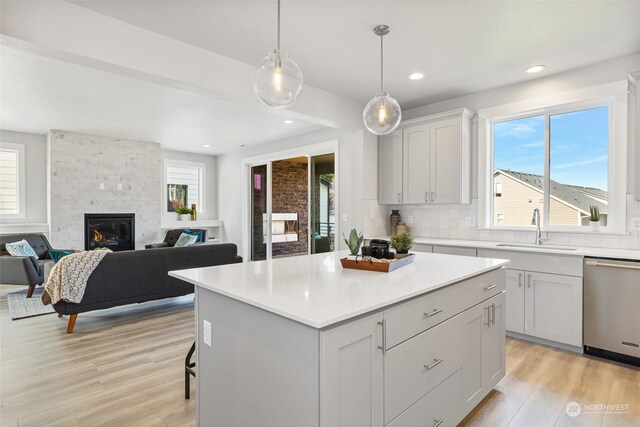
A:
(278, 80)
(382, 114)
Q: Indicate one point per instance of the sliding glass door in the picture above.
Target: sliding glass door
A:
(292, 207)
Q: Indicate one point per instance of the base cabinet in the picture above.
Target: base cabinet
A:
(351, 373)
(483, 350)
(433, 377)
(547, 306)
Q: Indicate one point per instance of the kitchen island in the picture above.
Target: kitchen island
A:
(301, 341)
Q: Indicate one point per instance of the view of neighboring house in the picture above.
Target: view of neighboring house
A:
(516, 194)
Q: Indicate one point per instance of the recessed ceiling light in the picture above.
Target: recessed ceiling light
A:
(206, 146)
(536, 69)
(288, 122)
(416, 76)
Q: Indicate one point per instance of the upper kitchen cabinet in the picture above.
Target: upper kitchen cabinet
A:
(390, 168)
(427, 160)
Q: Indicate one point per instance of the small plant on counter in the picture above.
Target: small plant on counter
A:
(354, 241)
(595, 213)
(183, 210)
(401, 242)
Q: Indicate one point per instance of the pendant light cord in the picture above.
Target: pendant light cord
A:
(278, 25)
(381, 63)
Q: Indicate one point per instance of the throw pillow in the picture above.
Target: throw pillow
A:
(194, 233)
(57, 254)
(21, 248)
(186, 240)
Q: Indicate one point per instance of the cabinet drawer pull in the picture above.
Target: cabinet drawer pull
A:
(426, 196)
(383, 347)
(437, 422)
(432, 196)
(493, 314)
(488, 308)
(435, 363)
(399, 197)
(519, 279)
(529, 280)
(488, 288)
(434, 312)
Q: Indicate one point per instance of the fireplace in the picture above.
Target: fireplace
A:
(112, 231)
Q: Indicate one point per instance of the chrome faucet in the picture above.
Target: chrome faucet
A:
(536, 221)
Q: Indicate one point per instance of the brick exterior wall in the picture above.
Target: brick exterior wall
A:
(290, 192)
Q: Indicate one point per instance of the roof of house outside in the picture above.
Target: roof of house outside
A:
(574, 195)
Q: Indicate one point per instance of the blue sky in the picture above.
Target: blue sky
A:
(579, 145)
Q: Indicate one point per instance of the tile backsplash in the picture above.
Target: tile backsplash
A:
(450, 222)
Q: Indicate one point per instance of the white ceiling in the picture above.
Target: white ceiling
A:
(39, 94)
(463, 47)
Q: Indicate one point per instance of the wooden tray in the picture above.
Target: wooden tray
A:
(384, 267)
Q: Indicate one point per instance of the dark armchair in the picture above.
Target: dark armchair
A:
(24, 270)
(173, 235)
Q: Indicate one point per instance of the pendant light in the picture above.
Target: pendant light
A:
(382, 114)
(278, 79)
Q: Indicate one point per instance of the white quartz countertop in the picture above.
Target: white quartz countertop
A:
(317, 291)
(630, 254)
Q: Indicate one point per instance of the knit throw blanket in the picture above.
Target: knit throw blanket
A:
(68, 278)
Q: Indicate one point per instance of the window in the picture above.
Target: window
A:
(184, 183)
(556, 161)
(12, 191)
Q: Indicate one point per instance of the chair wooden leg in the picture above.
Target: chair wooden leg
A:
(72, 322)
(30, 290)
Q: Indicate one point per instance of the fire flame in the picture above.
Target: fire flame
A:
(96, 236)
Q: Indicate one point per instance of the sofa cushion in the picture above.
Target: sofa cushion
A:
(186, 240)
(196, 233)
(38, 242)
(57, 254)
(20, 248)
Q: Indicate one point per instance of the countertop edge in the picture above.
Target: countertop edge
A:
(339, 319)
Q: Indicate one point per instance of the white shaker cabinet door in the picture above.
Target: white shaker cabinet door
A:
(493, 343)
(444, 165)
(415, 173)
(390, 169)
(554, 307)
(351, 372)
(514, 316)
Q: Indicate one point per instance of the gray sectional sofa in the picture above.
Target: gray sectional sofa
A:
(138, 276)
(24, 270)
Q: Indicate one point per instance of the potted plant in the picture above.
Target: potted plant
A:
(401, 242)
(354, 241)
(594, 218)
(184, 213)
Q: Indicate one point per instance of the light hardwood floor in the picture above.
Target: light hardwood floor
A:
(124, 367)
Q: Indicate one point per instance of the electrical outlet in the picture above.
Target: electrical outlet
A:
(101, 186)
(410, 219)
(635, 224)
(344, 217)
(206, 333)
(470, 221)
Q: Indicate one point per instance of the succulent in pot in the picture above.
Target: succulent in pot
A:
(594, 217)
(354, 241)
(401, 242)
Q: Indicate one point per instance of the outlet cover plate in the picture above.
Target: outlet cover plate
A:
(206, 332)
(635, 224)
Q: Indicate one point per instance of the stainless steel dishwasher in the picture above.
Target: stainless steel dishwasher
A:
(612, 309)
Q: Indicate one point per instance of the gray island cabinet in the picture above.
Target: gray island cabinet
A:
(301, 341)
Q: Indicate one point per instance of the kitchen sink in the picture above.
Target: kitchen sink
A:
(535, 247)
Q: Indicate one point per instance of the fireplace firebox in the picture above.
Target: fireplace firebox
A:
(112, 231)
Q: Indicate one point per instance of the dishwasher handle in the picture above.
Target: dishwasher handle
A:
(612, 265)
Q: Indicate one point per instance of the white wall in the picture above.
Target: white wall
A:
(448, 221)
(210, 210)
(36, 178)
(352, 173)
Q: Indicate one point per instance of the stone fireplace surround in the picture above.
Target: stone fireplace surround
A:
(95, 174)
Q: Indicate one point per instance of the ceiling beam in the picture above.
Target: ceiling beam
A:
(71, 33)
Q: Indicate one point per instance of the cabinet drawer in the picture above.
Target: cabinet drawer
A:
(409, 319)
(443, 403)
(416, 366)
(569, 265)
(481, 288)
